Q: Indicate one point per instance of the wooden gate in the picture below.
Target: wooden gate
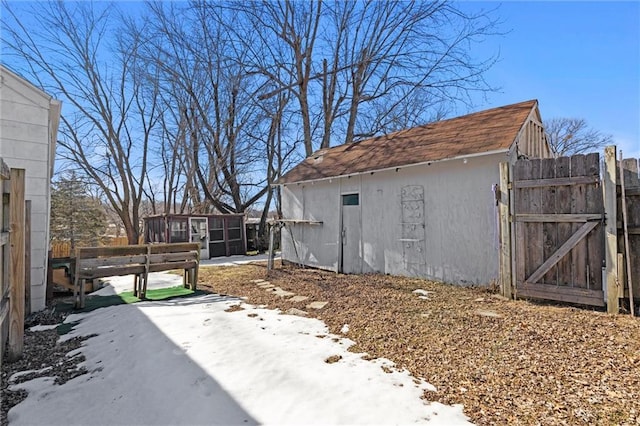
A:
(559, 229)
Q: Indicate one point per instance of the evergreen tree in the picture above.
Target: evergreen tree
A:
(76, 215)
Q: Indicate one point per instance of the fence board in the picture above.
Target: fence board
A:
(578, 205)
(563, 193)
(534, 231)
(595, 240)
(549, 229)
(632, 187)
(521, 201)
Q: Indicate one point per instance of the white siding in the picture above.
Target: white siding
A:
(460, 235)
(25, 143)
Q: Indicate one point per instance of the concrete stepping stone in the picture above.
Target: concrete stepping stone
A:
(266, 284)
(317, 305)
(294, 311)
(490, 314)
(282, 293)
(299, 298)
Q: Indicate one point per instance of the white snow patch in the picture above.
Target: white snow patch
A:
(344, 329)
(43, 327)
(188, 362)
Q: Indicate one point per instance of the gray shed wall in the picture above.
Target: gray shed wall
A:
(442, 226)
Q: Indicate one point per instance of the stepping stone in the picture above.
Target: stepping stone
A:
(282, 293)
(298, 298)
(490, 314)
(266, 284)
(317, 305)
(257, 281)
(294, 311)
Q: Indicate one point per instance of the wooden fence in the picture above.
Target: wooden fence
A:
(64, 249)
(13, 261)
(561, 229)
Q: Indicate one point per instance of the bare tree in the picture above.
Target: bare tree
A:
(107, 120)
(205, 80)
(568, 136)
(359, 68)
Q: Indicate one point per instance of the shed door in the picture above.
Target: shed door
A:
(351, 235)
(199, 234)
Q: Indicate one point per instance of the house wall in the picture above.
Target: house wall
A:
(436, 221)
(26, 130)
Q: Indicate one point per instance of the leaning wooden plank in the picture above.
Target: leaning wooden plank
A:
(626, 236)
(562, 251)
(611, 237)
(561, 294)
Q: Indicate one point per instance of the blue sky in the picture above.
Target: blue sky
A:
(579, 59)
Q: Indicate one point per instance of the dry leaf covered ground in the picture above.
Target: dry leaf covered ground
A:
(508, 362)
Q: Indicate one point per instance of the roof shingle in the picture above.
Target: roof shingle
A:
(484, 131)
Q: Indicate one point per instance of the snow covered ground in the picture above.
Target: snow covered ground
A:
(188, 362)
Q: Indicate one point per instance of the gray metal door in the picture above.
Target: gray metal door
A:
(351, 235)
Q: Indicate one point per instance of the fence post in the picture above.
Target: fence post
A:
(16, 268)
(505, 232)
(611, 237)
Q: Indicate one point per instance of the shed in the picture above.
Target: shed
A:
(29, 121)
(218, 234)
(418, 202)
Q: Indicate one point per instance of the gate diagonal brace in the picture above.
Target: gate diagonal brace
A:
(561, 252)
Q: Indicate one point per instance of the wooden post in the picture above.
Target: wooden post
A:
(49, 290)
(194, 284)
(611, 237)
(505, 232)
(16, 268)
(27, 257)
(271, 242)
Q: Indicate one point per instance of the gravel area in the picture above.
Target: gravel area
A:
(43, 356)
(508, 362)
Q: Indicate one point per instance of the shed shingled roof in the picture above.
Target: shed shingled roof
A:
(484, 131)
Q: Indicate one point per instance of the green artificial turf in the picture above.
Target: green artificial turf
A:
(95, 302)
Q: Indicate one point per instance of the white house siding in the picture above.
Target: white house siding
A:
(459, 240)
(28, 121)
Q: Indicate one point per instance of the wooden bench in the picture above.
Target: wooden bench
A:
(137, 260)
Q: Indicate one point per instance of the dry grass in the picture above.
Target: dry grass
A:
(530, 364)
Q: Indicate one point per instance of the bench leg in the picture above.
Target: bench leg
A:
(82, 284)
(135, 285)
